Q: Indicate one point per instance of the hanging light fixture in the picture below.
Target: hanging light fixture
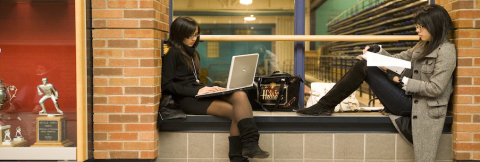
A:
(251, 18)
(246, 2)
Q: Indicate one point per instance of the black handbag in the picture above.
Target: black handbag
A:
(168, 110)
(277, 92)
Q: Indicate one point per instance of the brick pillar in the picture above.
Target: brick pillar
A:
(127, 69)
(466, 100)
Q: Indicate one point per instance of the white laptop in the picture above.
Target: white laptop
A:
(241, 75)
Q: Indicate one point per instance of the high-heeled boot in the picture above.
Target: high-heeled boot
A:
(235, 149)
(249, 136)
(342, 89)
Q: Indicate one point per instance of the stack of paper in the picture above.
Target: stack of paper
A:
(394, 64)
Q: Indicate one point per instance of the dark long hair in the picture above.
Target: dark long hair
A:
(436, 20)
(181, 28)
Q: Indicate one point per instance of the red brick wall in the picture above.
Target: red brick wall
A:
(127, 69)
(466, 101)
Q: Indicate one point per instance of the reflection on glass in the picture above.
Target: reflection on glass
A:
(324, 60)
(223, 17)
(331, 60)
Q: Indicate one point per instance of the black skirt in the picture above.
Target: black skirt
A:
(195, 106)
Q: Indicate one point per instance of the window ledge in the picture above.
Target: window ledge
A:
(278, 122)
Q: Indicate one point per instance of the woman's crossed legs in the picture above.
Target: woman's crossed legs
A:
(234, 107)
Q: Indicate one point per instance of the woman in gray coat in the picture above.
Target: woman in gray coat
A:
(418, 102)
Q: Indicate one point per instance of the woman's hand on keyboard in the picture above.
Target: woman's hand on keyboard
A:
(206, 90)
(219, 88)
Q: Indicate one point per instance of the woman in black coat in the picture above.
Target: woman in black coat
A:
(180, 78)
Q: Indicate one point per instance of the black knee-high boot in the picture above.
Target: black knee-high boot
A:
(249, 136)
(235, 149)
(342, 89)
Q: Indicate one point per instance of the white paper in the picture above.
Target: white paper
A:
(374, 59)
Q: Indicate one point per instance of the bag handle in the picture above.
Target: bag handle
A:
(258, 88)
(280, 73)
(275, 72)
(278, 97)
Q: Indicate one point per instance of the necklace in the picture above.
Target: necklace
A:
(195, 71)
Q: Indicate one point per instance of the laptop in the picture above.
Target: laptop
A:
(241, 75)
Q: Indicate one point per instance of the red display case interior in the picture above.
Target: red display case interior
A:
(37, 40)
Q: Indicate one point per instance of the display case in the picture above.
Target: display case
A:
(38, 80)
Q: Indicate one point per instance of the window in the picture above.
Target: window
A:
(213, 50)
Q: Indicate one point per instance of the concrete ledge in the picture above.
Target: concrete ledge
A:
(349, 123)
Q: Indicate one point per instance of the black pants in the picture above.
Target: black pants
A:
(392, 97)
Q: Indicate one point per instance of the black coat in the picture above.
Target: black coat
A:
(177, 78)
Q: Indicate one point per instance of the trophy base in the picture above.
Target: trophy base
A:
(16, 144)
(18, 139)
(50, 115)
(64, 143)
(7, 142)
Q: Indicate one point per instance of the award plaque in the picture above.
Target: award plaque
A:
(52, 132)
(51, 129)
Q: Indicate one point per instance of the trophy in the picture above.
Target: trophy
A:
(18, 135)
(5, 138)
(3, 94)
(52, 128)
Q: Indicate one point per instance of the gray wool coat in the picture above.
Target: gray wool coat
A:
(430, 87)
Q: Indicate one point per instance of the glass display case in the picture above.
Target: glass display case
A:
(38, 69)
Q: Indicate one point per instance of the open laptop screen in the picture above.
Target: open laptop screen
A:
(242, 71)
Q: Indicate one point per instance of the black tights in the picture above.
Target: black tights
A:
(233, 106)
